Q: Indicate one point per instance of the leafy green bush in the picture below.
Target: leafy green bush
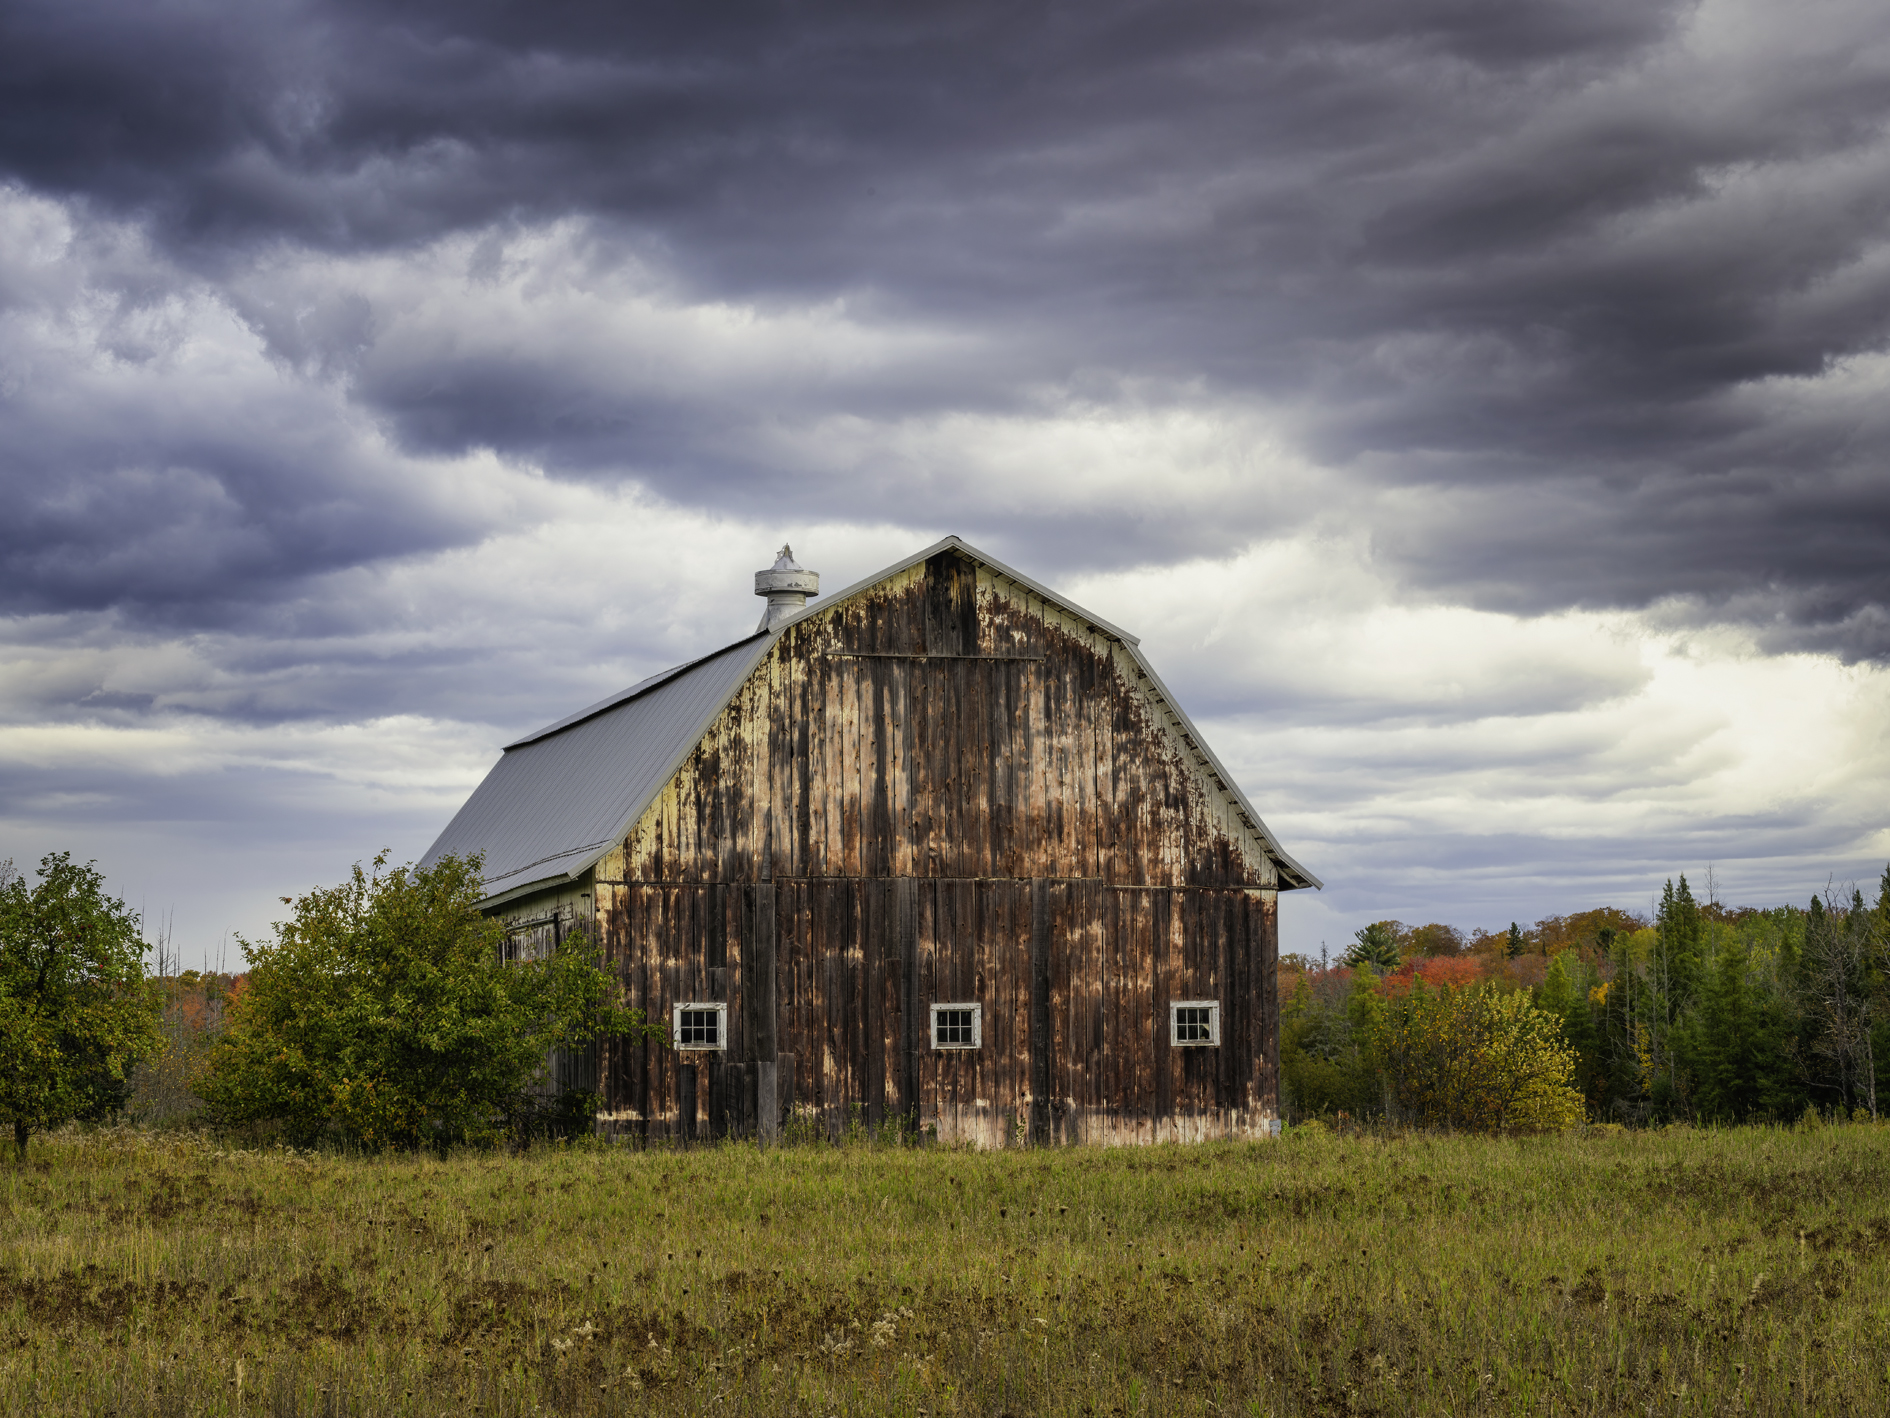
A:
(1478, 1061)
(382, 1015)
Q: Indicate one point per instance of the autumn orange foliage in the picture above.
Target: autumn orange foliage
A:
(1439, 972)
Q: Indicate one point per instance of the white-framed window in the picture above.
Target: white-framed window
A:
(700, 1024)
(958, 1026)
(1194, 1023)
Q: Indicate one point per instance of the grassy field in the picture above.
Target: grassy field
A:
(1677, 1272)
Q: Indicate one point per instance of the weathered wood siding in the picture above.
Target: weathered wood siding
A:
(535, 926)
(947, 789)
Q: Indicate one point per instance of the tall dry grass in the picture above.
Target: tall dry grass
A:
(1680, 1272)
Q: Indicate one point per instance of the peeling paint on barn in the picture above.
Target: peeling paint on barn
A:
(945, 785)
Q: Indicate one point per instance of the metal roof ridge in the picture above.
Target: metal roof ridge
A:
(960, 544)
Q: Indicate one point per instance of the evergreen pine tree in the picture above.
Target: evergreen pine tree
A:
(1678, 969)
(1625, 1027)
(1735, 1044)
(1683, 940)
(1564, 993)
(1375, 946)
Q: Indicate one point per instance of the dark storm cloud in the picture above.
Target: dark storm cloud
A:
(367, 124)
(1556, 265)
(152, 465)
(197, 536)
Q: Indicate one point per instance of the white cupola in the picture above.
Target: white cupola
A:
(787, 588)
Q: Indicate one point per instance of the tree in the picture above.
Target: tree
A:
(1840, 969)
(1327, 1044)
(1680, 962)
(1376, 945)
(74, 1013)
(1736, 1043)
(1435, 941)
(1675, 974)
(1478, 1060)
(1566, 993)
(1583, 930)
(1513, 947)
(382, 1015)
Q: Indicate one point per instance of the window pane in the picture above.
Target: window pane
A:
(699, 1027)
(1193, 1025)
(955, 1028)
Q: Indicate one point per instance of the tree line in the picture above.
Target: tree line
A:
(1702, 1013)
(381, 1014)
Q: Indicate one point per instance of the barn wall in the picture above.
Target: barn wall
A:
(856, 963)
(570, 905)
(947, 789)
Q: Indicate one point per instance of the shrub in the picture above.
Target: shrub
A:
(382, 1015)
(1478, 1061)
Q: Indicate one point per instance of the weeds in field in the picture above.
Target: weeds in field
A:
(1673, 1272)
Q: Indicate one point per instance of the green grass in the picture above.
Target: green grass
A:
(1678, 1272)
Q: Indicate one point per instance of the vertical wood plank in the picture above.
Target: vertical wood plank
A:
(899, 760)
(1039, 1012)
(859, 901)
(800, 766)
(1102, 766)
(1269, 951)
(1082, 787)
(1236, 1008)
(1162, 969)
(873, 1021)
(784, 1086)
(912, 1011)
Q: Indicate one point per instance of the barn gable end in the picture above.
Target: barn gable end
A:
(948, 722)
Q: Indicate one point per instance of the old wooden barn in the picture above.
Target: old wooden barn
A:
(940, 849)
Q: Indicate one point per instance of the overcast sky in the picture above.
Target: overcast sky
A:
(1480, 408)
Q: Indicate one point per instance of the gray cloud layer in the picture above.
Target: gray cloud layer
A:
(1564, 263)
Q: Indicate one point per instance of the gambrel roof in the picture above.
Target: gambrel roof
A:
(560, 798)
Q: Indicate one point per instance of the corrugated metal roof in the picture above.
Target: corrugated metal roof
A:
(561, 797)
(613, 701)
